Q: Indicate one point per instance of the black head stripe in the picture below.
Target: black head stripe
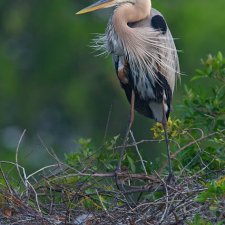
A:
(159, 23)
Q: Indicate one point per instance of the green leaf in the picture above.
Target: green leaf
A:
(220, 56)
(197, 77)
(131, 163)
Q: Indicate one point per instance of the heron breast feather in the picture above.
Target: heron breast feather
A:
(122, 72)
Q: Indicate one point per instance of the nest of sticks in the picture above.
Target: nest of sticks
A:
(61, 194)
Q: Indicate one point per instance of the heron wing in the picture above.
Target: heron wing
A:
(155, 80)
(124, 75)
(169, 51)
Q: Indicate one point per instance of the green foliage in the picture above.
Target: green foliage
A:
(85, 151)
(214, 191)
(200, 128)
(214, 67)
(87, 154)
(197, 220)
(207, 109)
(105, 158)
(213, 196)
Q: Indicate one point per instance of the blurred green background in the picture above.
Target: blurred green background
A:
(53, 85)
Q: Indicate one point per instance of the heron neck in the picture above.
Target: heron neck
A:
(129, 13)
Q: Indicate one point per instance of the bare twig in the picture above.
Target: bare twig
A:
(167, 198)
(107, 124)
(138, 152)
(6, 181)
(17, 163)
(110, 175)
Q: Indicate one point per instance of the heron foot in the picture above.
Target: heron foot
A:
(117, 179)
(118, 169)
(171, 179)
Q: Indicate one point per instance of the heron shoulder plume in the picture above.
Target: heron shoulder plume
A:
(145, 42)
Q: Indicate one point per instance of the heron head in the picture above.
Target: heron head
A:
(102, 4)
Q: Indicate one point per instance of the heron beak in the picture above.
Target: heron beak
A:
(102, 4)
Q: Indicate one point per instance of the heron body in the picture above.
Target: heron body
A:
(152, 76)
(144, 54)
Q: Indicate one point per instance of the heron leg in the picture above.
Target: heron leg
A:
(170, 169)
(130, 122)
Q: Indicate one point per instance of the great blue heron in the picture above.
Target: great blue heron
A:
(145, 59)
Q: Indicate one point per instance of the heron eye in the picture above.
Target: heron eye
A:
(159, 23)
